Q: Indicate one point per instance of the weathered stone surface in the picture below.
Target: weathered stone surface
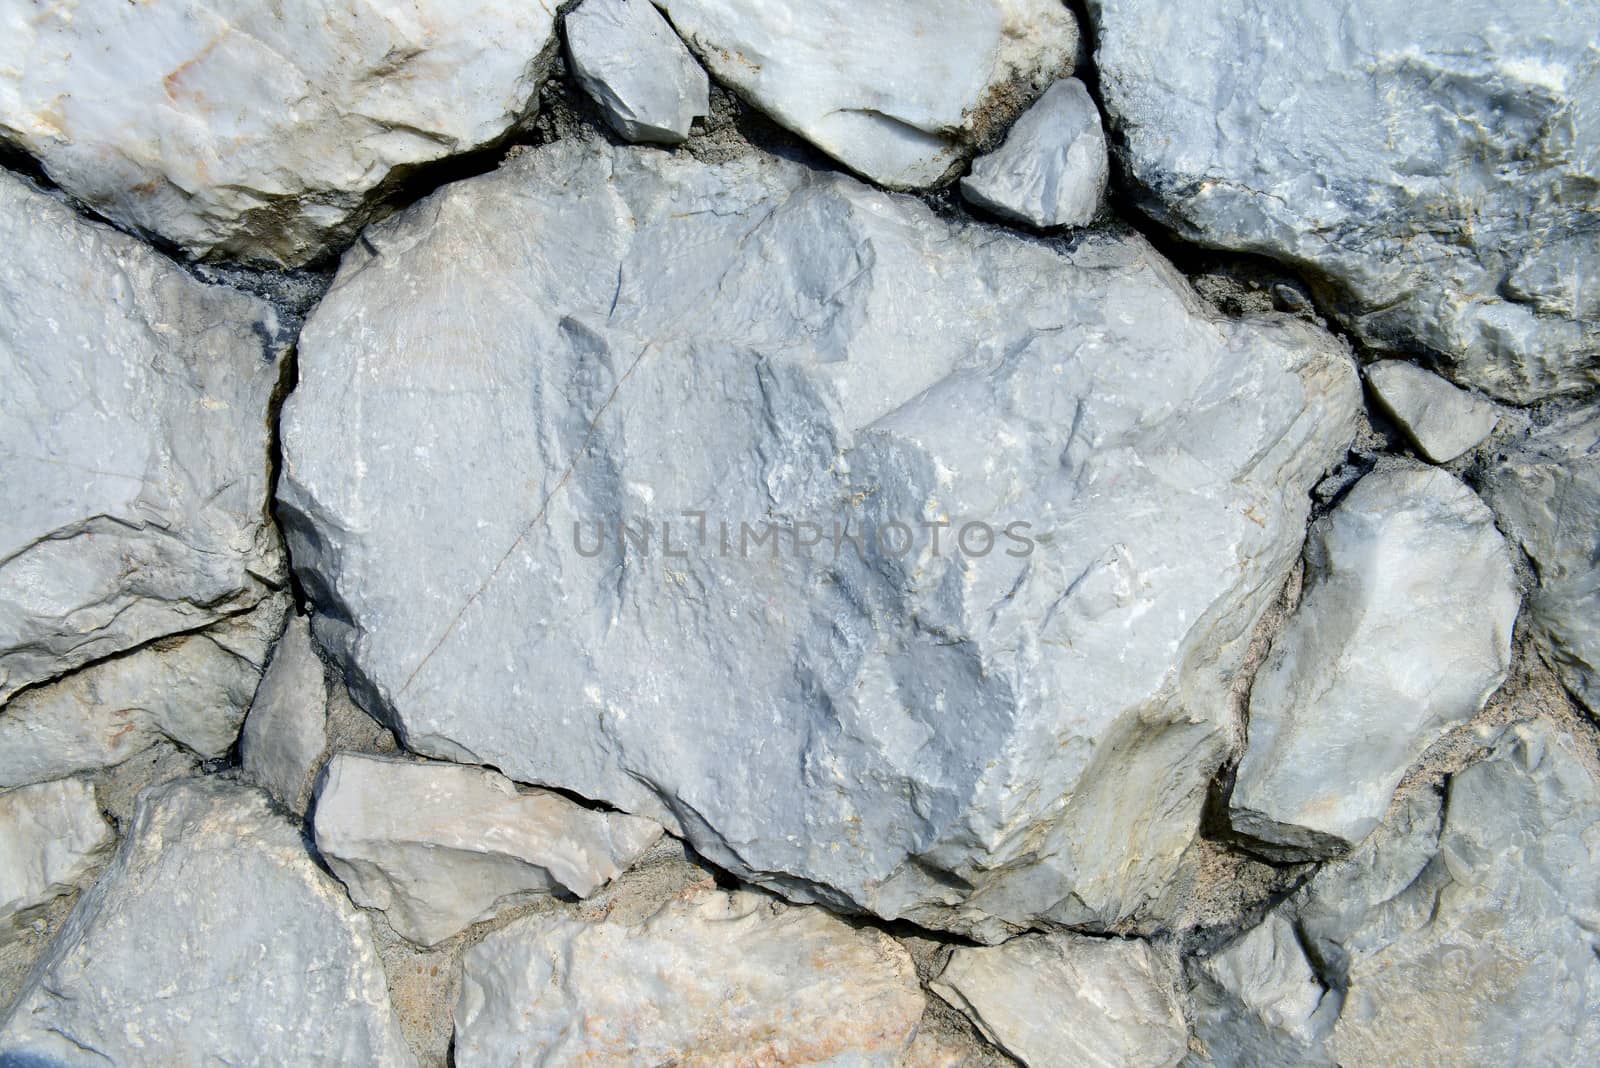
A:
(712, 978)
(212, 938)
(133, 430)
(1405, 631)
(1070, 1001)
(1463, 936)
(897, 92)
(977, 737)
(191, 690)
(1052, 169)
(439, 847)
(1547, 495)
(1442, 420)
(50, 835)
(260, 131)
(1436, 164)
(626, 56)
(286, 731)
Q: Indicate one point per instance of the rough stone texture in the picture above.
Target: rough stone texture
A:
(1461, 934)
(50, 835)
(897, 92)
(438, 847)
(254, 131)
(1546, 493)
(190, 690)
(1441, 420)
(1436, 163)
(712, 978)
(286, 733)
(1066, 1001)
(626, 56)
(212, 938)
(133, 433)
(972, 740)
(1404, 632)
(1052, 169)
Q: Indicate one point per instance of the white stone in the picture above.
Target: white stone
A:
(253, 131)
(439, 847)
(712, 978)
(286, 731)
(1405, 631)
(1068, 1001)
(897, 92)
(51, 834)
(626, 56)
(1442, 420)
(1052, 169)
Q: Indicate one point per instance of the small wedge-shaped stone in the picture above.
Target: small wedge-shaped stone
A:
(287, 730)
(1405, 631)
(213, 938)
(713, 978)
(256, 131)
(439, 847)
(897, 92)
(1052, 169)
(134, 438)
(626, 56)
(1547, 493)
(1069, 1001)
(50, 835)
(1441, 419)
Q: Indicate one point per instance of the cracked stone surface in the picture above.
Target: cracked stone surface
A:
(626, 56)
(212, 937)
(1442, 420)
(286, 731)
(1436, 164)
(1052, 169)
(133, 429)
(711, 978)
(438, 847)
(260, 132)
(899, 93)
(51, 833)
(976, 738)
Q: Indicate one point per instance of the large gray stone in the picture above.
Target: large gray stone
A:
(1052, 169)
(900, 93)
(626, 56)
(1068, 1001)
(191, 691)
(134, 438)
(439, 847)
(1463, 933)
(213, 938)
(1405, 632)
(1441, 420)
(253, 131)
(712, 978)
(1546, 492)
(286, 732)
(51, 834)
(1435, 163)
(978, 737)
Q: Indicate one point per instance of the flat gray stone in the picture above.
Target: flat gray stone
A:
(899, 93)
(191, 691)
(267, 132)
(1443, 421)
(712, 978)
(1432, 164)
(1404, 632)
(286, 732)
(627, 57)
(1068, 1001)
(134, 436)
(980, 736)
(1052, 169)
(1546, 492)
(51, 834)
(213, 937)
(439, 847)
